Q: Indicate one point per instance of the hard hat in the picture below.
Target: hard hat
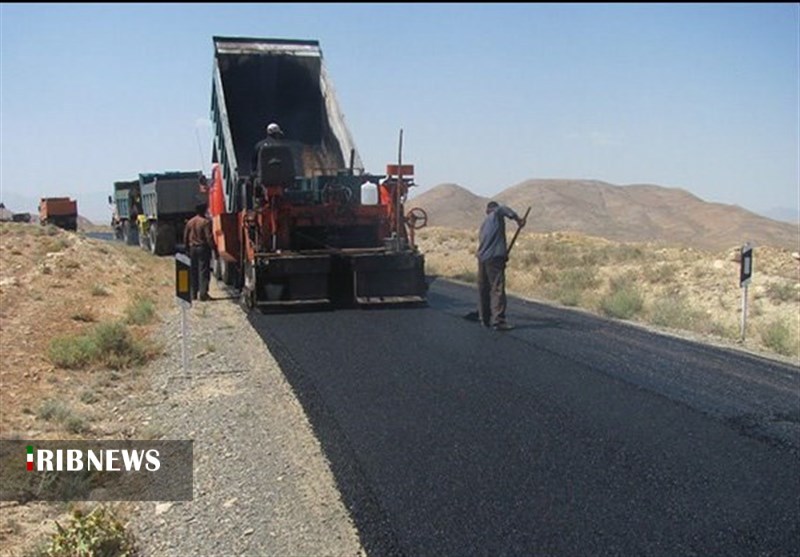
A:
(274, 129)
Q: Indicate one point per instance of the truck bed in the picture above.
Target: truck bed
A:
(245, 99)
(171, 193)
(57, 206)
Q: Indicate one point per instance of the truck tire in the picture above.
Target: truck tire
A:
(247, 295)
(153, 234)
(230, 273)
(166, 238)
(225, 272)
(132, 229)
(216, 266)
(144, 239)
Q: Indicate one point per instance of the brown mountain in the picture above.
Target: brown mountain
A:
(631, 213)
(451, 206)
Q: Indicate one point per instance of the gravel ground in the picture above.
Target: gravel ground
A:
(262, 485)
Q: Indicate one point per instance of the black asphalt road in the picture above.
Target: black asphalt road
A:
(108, 236)
(570, 435)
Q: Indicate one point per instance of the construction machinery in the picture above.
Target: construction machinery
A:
(169, 200)
(59, 211)
(153, 210)
(299, 221)
(127, 205)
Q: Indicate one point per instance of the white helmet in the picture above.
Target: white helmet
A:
(274, 129)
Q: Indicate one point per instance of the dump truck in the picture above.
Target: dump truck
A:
(300, 221)
(59, 211)
(169, 200)
(152, 211)
(126, 206)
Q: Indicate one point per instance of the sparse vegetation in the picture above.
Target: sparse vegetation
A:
(662, 273)
(98, 290)
(778, 336)
(58, 309)
(58, 412)
(96, 534)
(679, 288)
(675, 313)
(782, 292)
(88, 396)
(140, 311)
(107, 344)
(624, 299)
(570, 284)
(84, 316)
(73, 351)
(53, 245)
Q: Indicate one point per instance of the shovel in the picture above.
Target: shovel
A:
(473, 315)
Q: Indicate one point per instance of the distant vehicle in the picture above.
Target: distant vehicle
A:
(153, 210)
(126, 206)
(59, 211)
(21, 217)
(5, 214)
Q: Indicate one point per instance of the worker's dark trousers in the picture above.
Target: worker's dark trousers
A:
(200, 270)
(492, 291)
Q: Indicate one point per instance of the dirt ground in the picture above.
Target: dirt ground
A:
(55, 283)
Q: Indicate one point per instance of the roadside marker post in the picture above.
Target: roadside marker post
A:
(183, 292)
(745, 273)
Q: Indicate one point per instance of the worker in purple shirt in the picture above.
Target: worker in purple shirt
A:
(492, 257)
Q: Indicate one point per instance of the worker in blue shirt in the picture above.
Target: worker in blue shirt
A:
(492, 258)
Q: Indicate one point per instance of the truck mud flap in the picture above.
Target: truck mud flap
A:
(389, 278)
(295, 280)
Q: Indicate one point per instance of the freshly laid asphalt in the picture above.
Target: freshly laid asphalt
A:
(570, 435)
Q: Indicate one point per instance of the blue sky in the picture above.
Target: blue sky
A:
(702, 97)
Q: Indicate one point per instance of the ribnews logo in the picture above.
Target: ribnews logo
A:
(96, 470)
(77, 460)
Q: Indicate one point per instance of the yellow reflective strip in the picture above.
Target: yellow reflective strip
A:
(183, 281)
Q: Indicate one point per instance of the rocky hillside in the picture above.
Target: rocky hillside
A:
(644, 212)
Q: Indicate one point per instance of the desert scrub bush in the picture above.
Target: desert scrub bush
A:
(779, 292)
(675, 313)
(624, 299)
(73, 351)
(660, 273)
(140, 311)
(53, 411)
(53, 245)
(526, 259)
(570, 284)
(57, 411)
(98, 290)
(777, 335)
(84, 316)
(109, 344)
(96, 534)
(622, 253)
(117, 347)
